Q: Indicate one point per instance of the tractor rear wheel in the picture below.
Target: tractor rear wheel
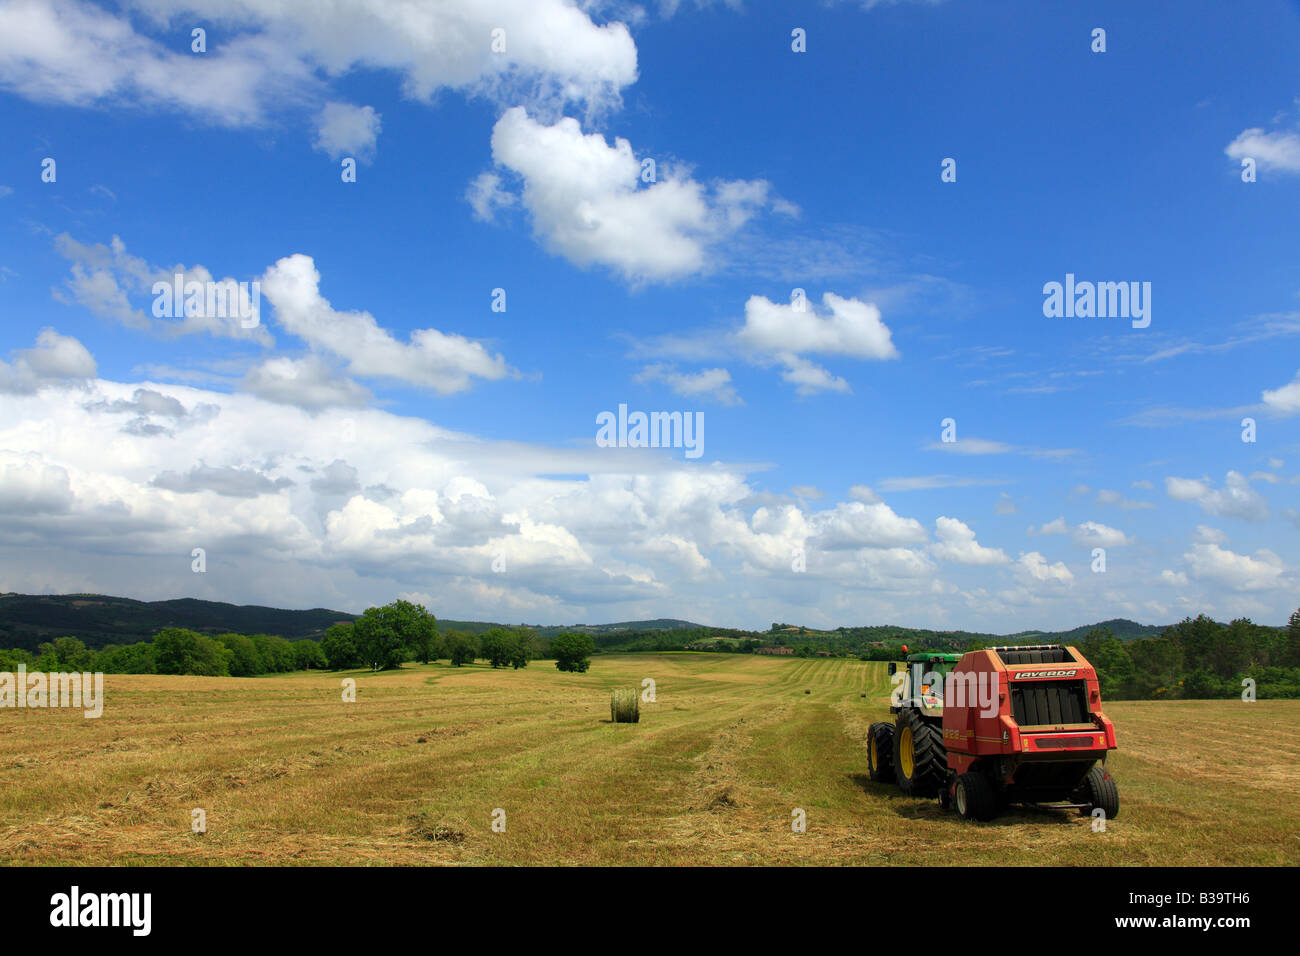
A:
(920, 761)
(880, 752)
(974, 798)
(1100, 791)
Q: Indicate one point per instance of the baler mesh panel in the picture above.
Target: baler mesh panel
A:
(1049, 702)
(1053, 655)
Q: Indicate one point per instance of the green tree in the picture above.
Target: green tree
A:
(70, 654)
(499, 646)
(307, 655)
(460, 649)
(423, 634)
(244, 658)
(126, 659)
(276, 653)
(339, 648)
(1291, 653)
(523, 650)
(383, 634)
(572, 652)
(181, 651)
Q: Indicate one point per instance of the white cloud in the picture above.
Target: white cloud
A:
(1106, 496)
(589, 204)
(1174, 578)
(308, 382)
(444, 362)
(1033, 567)
(714, 383)
(856, 524)
(485, 195)
(1209, 562)
(55, 359)
(1276, 150)
(1052, 527)
(286, 54)
(808, 378)
(105, 279)
(864, 493)
(1284, 400)
(1090, 534)
(1236, 499)
(851, 328)
(346, 130)
(31, 486)
(956, 542)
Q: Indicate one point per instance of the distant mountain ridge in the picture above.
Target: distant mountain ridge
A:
(98, 619)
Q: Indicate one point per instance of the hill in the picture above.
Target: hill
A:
(97, 619)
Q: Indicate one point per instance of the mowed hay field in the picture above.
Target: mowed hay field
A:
(411, 773)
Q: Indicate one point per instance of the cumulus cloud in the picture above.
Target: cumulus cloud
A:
(31, 486)
(589, 202)
(1277, 150)
(346, 130)
(228, 481)
(856, 524)
(1033, 567)
(286, 54)
(787, 332)
(55, 359)
(105, 279)
(1091, 534)
(1051, 527)
(486, 195)
(1236, 499)
(1212, 563)
(309, 382)
(444, 362)
(1284, 400)
(956, 542)
(713, 383)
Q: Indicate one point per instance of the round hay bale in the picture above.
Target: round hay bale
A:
(625, 706)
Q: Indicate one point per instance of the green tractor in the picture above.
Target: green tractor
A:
(910, 750)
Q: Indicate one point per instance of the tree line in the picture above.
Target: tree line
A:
(1198, 658)
(380, 639)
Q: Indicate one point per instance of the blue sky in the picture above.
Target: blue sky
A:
(384, 431)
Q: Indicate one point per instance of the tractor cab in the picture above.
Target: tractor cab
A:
(921, 685)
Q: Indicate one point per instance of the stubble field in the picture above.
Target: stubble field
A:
(416, 769)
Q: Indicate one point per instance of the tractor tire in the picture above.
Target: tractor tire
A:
(1099, 790)
(974, 798)
(880, 752)
(920, 761)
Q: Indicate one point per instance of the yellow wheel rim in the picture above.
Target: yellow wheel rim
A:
(905, 755)
(875, 761)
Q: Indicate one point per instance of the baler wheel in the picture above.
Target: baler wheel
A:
(880, 752)
(1100, 790)
(974, 797)
(920, 761)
